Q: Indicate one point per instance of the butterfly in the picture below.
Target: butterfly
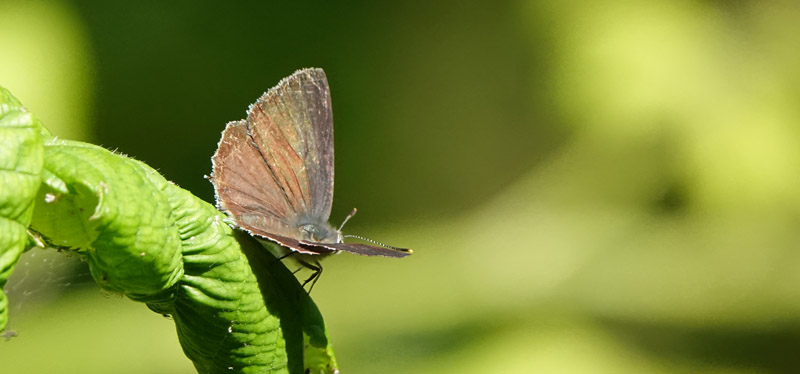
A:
(273, 172)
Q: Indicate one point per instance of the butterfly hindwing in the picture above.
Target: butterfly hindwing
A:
(243, 187)
(357, 248)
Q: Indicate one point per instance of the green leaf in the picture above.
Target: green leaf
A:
(20, 170)
(237, 309)
(287, 295)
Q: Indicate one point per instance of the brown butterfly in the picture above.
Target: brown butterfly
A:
(273, 172)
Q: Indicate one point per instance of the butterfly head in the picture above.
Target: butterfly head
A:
(320, 233)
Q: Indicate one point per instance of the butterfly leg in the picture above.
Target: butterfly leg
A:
(316, 267)
(279, 259)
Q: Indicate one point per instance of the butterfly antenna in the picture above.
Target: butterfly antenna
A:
(352, 213)
(377, 243)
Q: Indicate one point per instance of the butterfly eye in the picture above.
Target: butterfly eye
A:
(313, 232)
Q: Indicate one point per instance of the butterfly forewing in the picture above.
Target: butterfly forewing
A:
(273, 171)
(292, 125)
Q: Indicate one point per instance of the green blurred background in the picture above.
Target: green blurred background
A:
(589, 188)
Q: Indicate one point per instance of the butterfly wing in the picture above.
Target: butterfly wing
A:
(274, 171)
(292, 125)
(357, 248)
